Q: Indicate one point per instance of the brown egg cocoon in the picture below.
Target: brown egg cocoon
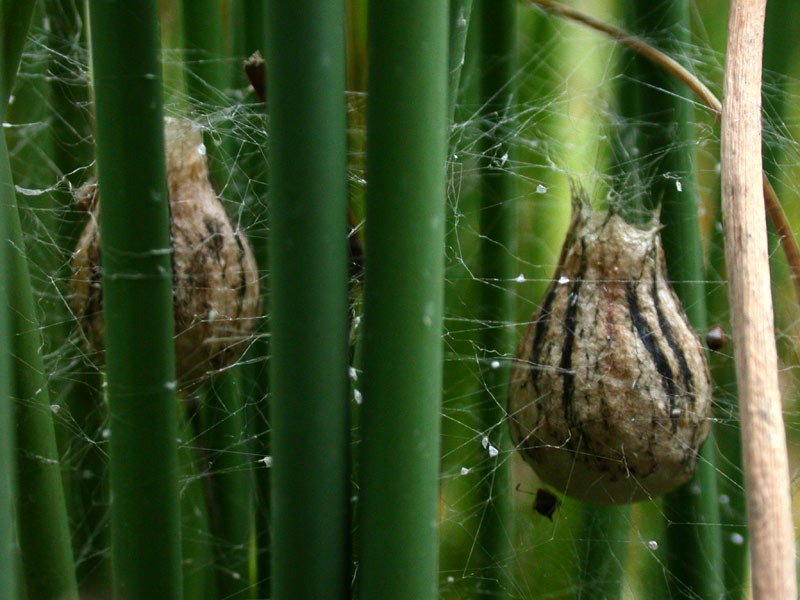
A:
(610, 393)
(215, 278)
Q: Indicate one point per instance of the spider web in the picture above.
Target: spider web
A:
(566, 124)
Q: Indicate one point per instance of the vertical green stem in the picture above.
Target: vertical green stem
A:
(226, 439)
(208, 76)
(42, 525)
(403, 296)
(308, 270)
(8, 575)
(693, 536)
(603, 551)
(496, 311)
(229, 493)
(733, 510)
(459, 25)
(42, 517)
(137, 290)
(17, 15)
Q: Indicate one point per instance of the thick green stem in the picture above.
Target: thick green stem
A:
(137, 289)
(308, 270)
(403, 295)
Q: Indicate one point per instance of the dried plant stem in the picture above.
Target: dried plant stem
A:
(707, 97)
(765, 459)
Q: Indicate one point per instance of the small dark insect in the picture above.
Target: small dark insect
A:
(545, 503)
(716, 338)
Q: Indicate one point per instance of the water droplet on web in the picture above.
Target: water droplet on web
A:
(485, 441)
(652, 545)
(201, 149)
(236, 575)
(520, 278)
(465, 470)
(267, 460)
(55, 409)
(678, 185)
(358, 397)
(106, 433)
(450, 579)
(541, 189)
(504, 159)
(737, 538)
(212, 315)
(352, 373)
(563, 280)
(171, 385)
(356, 321)
(493, 451)
(495, 364)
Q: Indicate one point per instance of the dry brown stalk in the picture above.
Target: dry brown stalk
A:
(707, 97)
(766, 467)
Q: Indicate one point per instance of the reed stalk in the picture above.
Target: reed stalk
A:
(308, 271)
(229, 489)
(460, 11)
(765, 461)
(403, 297)
(497, 67)
(8, 572)
(42, 528)
(137, 289)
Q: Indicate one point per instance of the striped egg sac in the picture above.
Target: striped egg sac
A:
(610, 392)
(215, 282)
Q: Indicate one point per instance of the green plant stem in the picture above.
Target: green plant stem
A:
(137, 289)
(198, 569)
(459, 26)
(229, 459)
(42, 525)
(208, 76)
(17, 15)
(403, 295)
(230, 492)
(254, 151)
(496, 311)
(42, 517)
(8, 572)
(603, 551)
(693, 536)
(308, 270)
(733, 512)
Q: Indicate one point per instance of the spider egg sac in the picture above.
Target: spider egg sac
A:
(215, 279)
(610, 392)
